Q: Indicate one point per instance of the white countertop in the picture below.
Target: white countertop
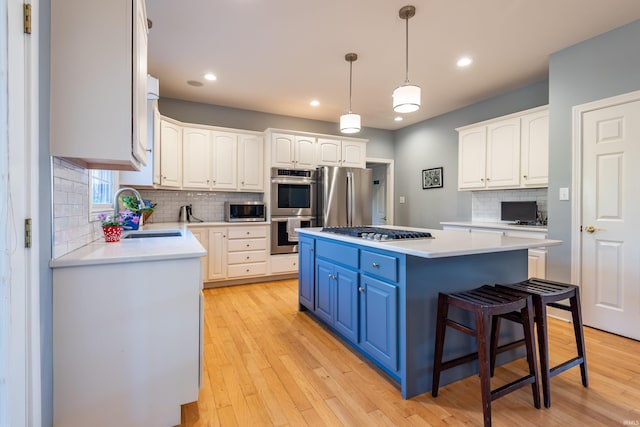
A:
(135, 250)
(446, 243)
(497, 225)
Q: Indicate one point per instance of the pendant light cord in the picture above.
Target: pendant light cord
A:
(406, 75)
(350, 82)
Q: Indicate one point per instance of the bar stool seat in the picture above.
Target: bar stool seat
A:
(485, 303)
(548, 293)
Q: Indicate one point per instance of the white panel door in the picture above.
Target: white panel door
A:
(379, 195)
(282, 150)
(329, 152)
(251, 163)
(610, 210)
(305, 152)
(217, 257)
(354, 154)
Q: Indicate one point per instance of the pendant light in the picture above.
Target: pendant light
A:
(406, 98)
(350, 123)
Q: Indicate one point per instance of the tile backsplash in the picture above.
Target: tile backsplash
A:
(71, 226)
(207, 206)
(485, 205)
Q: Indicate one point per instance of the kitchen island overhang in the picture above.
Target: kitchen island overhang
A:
(387, 308)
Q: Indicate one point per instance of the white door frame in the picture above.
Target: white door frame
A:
(23, 385)
(390, 185)
(576, 191)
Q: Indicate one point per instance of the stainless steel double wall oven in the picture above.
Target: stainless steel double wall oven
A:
(293, 205)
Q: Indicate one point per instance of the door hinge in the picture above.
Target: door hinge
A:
(27, 18)
(27, 233)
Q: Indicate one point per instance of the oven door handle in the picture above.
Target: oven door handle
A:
(285, 218)
(302, 181)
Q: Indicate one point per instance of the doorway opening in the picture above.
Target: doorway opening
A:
(381, 191)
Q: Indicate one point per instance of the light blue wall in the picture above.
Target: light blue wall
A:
(434, 143)
(380, 141)
(600, 67)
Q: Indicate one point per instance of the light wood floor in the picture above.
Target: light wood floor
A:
(268, 364)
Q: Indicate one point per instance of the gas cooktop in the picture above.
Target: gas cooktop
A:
(378, 233)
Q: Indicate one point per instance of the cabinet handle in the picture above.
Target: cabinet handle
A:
(375, 265)
(361, 290)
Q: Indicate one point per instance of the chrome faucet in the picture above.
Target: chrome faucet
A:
(122, 190)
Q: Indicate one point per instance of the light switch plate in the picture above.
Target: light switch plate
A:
(564, 193)
(402, 200)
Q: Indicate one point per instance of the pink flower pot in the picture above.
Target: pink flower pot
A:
(112, 233)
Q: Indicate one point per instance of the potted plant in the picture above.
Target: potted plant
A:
(142, 214)
(112, 225)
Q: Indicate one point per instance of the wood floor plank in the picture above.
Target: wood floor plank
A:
(266, 363)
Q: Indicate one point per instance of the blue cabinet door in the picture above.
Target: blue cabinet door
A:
(346, 300)
(325, 284)
(306, 276)
(379, 321)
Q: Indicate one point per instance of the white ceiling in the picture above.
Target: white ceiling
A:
(275, 56)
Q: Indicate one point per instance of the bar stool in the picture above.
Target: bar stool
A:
(547, 293)
(485, 303)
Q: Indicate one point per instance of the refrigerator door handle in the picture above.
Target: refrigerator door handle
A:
(350, 199)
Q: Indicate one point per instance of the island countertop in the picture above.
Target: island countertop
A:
(135, 250)
(445, 243)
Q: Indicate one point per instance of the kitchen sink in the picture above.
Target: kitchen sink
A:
(151, 233)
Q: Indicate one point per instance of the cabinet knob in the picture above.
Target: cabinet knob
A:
(248, 245)
(247, 257)
(248, 232)
(375, 265)
(294, 264)
(310, 249)
(524, 176)
(488, 179)
(361, 290)
(481, 179)
(248, 270)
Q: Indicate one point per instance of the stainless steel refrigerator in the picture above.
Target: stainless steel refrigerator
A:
(344, 196)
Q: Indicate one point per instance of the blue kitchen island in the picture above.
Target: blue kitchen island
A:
(381, 296)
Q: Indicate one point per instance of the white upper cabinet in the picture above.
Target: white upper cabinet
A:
(250, 163)
(336, 152)
(505, 153)
(170, 154)
(293, 151)
(472, 158)
(224, 163)
(209, 159)
(98, 83)
(535, 149)
(196, 158)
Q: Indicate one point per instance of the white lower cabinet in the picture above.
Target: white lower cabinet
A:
(284, 263)
(234, 251)
(537, 260)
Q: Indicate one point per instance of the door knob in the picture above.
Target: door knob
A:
(590, 229)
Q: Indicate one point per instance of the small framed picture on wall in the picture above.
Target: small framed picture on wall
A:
(432, 178)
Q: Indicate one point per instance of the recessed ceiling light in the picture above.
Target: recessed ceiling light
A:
(464, 61)
(210, 77)
(194, 83)
(314, 103)
(398, 119)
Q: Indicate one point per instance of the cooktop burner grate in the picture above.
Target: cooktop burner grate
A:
(378, 233)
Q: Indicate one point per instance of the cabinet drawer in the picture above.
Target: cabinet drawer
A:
(284, 264)
(246, 257)
(383, 266)
(246, 245)
(247, 232)
(242, 270)
(338, 252)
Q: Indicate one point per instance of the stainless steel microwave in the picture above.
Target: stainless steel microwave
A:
(245, 211)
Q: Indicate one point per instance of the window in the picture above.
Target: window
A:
(102, 186)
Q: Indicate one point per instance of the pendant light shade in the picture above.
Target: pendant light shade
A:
(406, 98)
(350, 122)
